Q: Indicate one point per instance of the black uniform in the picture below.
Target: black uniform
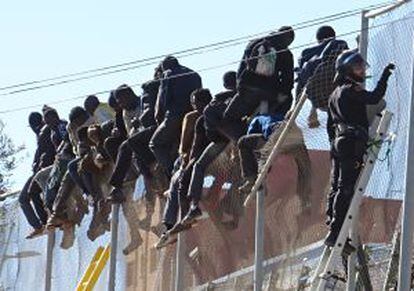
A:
(348, 132)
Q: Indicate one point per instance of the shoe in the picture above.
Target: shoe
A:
(54, 221)
(247, 185)
(179, 227)
(331, 238)
(165, 240)
(116, 196)
(36, 232)
(158, 229)
(133, 245)
(193, 215)
(348, 248)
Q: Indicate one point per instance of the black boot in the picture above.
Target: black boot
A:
(116, 196)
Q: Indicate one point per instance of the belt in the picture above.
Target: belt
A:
(359, 132)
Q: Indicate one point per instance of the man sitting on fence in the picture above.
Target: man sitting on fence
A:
(193, 142)
(319, 57)
(213, 125)
(265, 74)
(173, 102)
(44, 157)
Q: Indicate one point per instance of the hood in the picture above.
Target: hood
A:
(282, 38)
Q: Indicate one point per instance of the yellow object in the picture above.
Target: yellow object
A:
(94, 269)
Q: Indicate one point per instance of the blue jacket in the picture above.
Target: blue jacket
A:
(264, 124)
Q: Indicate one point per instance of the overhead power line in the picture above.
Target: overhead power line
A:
(136, 64)
(201, 70)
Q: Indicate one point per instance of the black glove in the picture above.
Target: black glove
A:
(135, 122)
(388, 70)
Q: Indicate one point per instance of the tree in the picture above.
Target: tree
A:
(8, 158)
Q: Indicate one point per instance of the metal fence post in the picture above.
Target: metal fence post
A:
(352, 261)
(49, 260)
(406, 249)
(259, 240)
(114, 246)
(179, 263)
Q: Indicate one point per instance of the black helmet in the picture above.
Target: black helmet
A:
(345, 62)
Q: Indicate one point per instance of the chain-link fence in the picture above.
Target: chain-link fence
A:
(218, 252)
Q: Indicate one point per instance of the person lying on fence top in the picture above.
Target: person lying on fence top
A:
(173, 102)
(260, 129)
(193, 142)
(131, 110)
(216, 135)
(37, 216)
(348, 128)
(101, 112)
(265, 74)
(118, 133)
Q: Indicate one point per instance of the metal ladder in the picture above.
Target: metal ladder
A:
(324, 277)
(94, 269)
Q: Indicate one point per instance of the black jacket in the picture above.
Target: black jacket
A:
(175, 89)
(120, 125)
(45, 152)
(348, 105)
(148, 100)
(213, 115)
(282, 79)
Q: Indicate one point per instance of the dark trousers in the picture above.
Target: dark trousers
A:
(334, 185)
(112, 145)
(139, 143)
(245, 102)
(200, 166)
(164, 143)
(248, 148)
(55, 179)
(73, 169)
(37, 216)
(122, 165)
(348, 155)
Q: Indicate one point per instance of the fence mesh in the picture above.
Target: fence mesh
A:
(218, 252)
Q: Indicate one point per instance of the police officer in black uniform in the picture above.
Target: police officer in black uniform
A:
(348, 133)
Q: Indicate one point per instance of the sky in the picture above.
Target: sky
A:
(43, 39)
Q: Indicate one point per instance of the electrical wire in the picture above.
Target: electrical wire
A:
(201, 70)
(183, 53)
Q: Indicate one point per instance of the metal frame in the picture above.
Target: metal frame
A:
(407, 228)
(49, 259)
(114, 247)
(330, 256)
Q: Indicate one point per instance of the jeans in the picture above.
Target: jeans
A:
(178, 202)
(200, 166)
(30, 194)
(248, 147)
(164, 143)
